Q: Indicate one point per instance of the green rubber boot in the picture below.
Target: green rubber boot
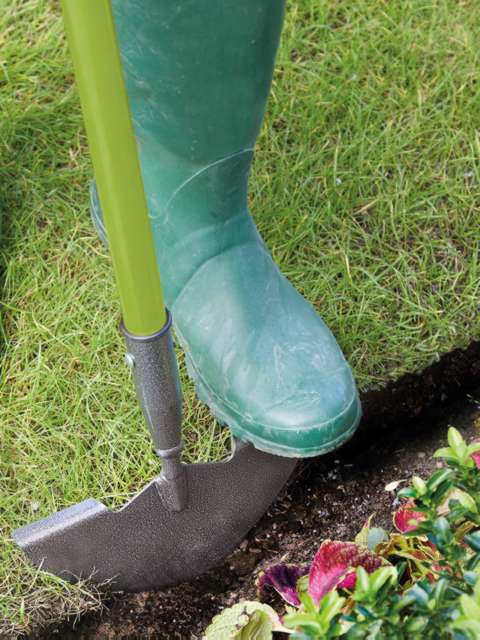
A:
(198, 74)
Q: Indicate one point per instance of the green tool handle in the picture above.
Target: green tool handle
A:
(98, 69)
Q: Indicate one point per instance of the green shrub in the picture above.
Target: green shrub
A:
(419, 582)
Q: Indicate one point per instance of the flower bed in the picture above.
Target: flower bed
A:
(421, 581)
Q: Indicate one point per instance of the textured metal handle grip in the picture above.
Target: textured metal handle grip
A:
(155, 371)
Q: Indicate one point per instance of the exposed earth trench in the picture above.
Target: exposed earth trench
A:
(328, 497)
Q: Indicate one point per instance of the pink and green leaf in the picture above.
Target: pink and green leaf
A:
(334, 567)
(407, 518)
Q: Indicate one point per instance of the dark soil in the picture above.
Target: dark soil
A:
(329, 497)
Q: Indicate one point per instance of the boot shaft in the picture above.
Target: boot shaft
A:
(198, 72)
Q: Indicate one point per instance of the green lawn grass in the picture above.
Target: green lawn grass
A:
(365, 187)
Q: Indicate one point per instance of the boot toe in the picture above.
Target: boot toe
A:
(312, 421)
(263, 359)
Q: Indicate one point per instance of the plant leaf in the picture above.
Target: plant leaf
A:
(455, 440)
(376, 536)
(419, 485)
(473, 541)
(474, 450)
(392, 486)
(244, 621)
(443, 452)
(334, 566)
(381, 576)
(438, 478)
(362, 535)
(406, 518)
(470, 608)
(369, 536)
(283, 578)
